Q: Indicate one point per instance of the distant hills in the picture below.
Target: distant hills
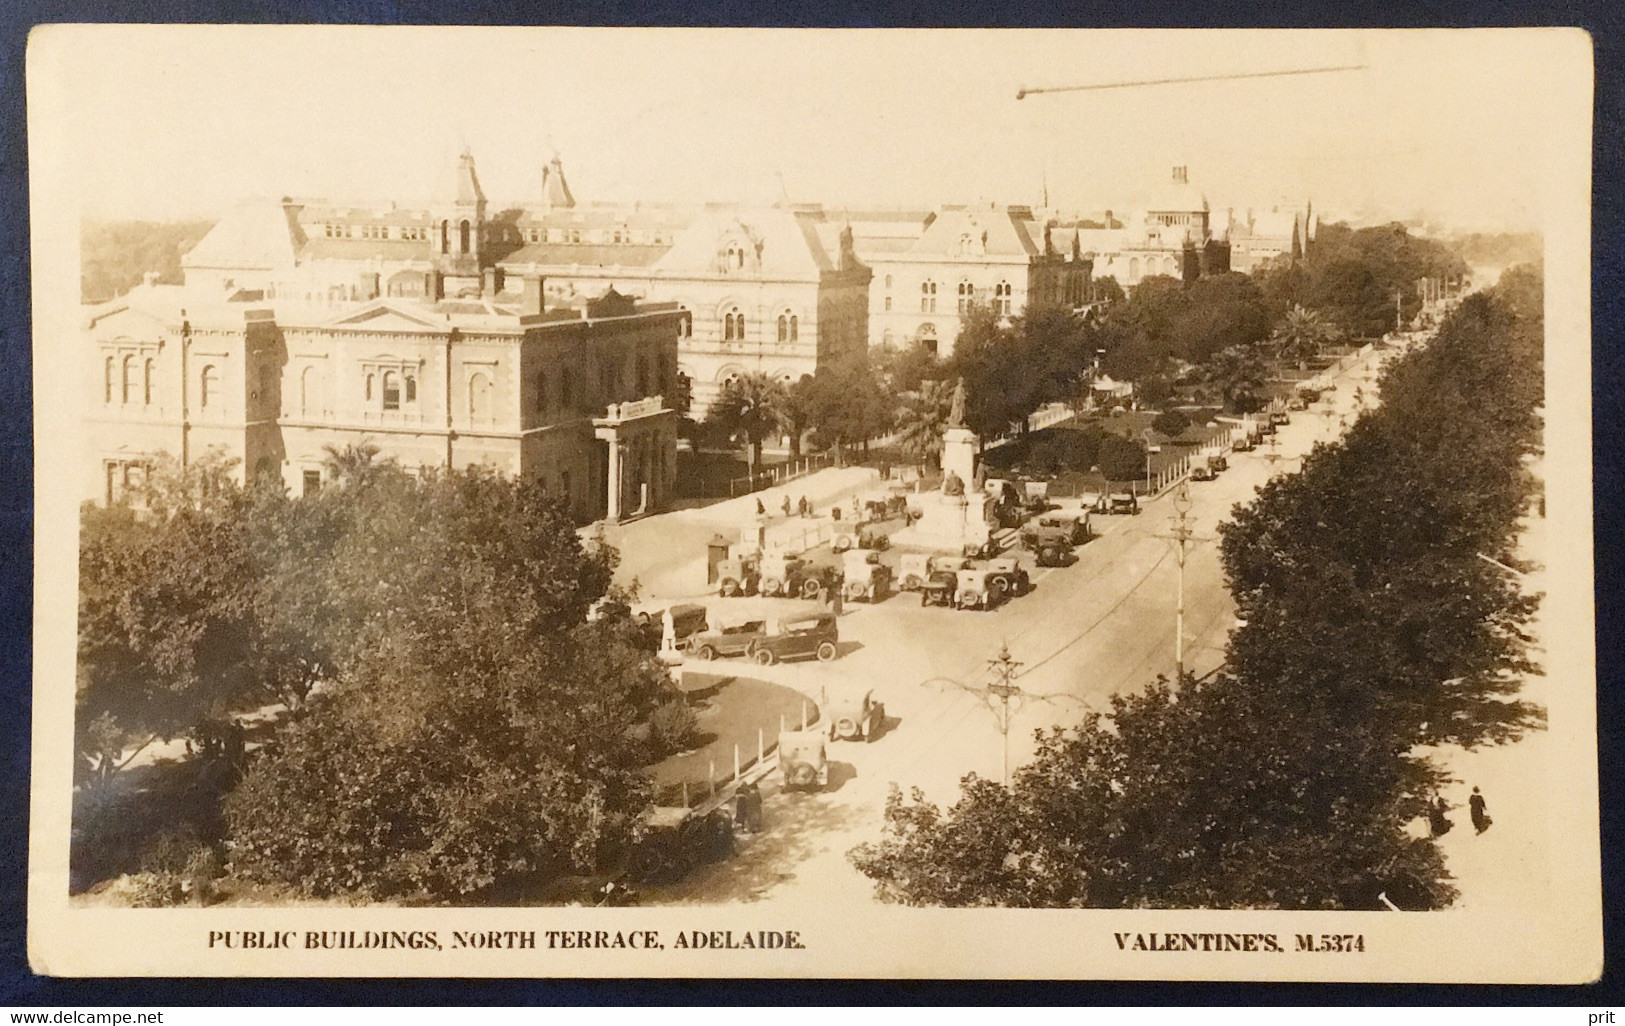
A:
(114, 255)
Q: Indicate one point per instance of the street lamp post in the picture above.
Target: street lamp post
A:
(1002, 687)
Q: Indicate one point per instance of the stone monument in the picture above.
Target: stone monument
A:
(956, 518)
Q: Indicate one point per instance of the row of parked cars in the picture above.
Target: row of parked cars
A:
(860, 576)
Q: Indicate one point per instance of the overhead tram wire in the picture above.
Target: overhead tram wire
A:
(1024, 92)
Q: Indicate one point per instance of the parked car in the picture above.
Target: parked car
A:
(914, 569)
(940, 588)
(1219, 460)
(687, 619)
(866, 578)
(854, 718)
(1202, 469)
(1069, 526)
(1123, 503)
(1053, 553)
(1280, 417)
(780, 575)
(802, 760)
(816, 634)
(675, 840)
(975, 589)
(1008, 577)
(731, 640)
(737, 576)
(1297, 403)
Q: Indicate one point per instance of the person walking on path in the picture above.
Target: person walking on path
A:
(1436, 817)
(1481, 818)
(835, 603)
(786, 506)
(761, 510)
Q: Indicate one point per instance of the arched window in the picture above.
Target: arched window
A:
(129, 379)
(210, 386)
(369, 388)
(794, 328)
(1001, 298)
(309, 393)
(107, 381)
(966, 245)
(392, 390)
(685, 324)
(967, 295)
(1170, 265)
(445, 236)
(1134, 269)
(888, 281)
(645, 386)
(608, 380)
(149, 379)
(411, 388)
(567, 387)
(733, 325)
(888, 304)
(541, 391)
(733, 259)
(462, 238)
(927, 335)
(887, 338)
(784, 327)
(479, 398)
(928, 296)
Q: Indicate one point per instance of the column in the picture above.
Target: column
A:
(614, 476)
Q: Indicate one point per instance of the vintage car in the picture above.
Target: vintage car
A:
(914, 569)
(731, 640)
(779, 575)
(815, 634)
(854, 718)
(1068, 526)
(815, 581)
(1243, 443)
(675, 840)
(687, 619)
(1202, 468)
(1280, 417)
(1297, 404)
(976, 589)
(737, 576)
(866, 578)
(1054, 553)
(1123, 503)
(1220, 461)
(802, 760)
(1008, 577)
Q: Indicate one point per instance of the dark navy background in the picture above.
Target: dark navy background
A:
(18, 986)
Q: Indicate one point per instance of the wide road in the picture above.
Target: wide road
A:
(1103, 626)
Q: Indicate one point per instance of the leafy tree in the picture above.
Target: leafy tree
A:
(800, 412)
(999, 390)
(1171, 423)
(1121, 459)
(164, 612)
(1106, 290)
(353, 465)
(848, 407)
(114, 255)
(475, 731)
(751, 408)
(1204, 795)
(1215, 313)
(1237, 376)
(903, 368)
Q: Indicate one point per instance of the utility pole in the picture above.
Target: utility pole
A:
(1002, 687)
(1004, 698)
(1182, 535)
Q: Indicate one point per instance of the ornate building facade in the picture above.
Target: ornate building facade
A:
(772, 289)
(571, 396)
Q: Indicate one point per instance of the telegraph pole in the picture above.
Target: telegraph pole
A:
(1182, 535)
(1004, 669)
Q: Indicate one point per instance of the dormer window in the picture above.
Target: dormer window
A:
(733, 258)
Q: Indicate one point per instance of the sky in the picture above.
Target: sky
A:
(164, 121)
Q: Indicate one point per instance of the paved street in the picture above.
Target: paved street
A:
(1102, 626)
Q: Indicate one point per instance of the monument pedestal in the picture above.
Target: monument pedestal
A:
(948, 523)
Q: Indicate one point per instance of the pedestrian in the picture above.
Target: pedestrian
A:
(761, 510)
(857, 510)
(835, 512)
(835, 605)
(786, 506)
(1481, 818)
(1436, 817)
(804, 507)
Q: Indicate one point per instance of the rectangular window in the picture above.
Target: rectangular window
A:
(313, 482)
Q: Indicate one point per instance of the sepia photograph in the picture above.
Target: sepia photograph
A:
(794, 503)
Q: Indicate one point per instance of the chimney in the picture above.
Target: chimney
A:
(533, 300)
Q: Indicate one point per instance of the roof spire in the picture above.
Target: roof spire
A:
(555, 190)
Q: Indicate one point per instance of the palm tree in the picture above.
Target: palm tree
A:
(922, 418)
(751, 407)
(1301, 335)
(353, 464)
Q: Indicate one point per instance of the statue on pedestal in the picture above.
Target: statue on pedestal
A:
(956, 408)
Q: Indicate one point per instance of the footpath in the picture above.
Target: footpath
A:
(664, 554)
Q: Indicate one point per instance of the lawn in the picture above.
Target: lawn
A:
(731, 712)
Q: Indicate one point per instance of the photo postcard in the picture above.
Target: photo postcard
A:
(565, 502)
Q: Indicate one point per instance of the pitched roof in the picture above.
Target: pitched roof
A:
(259, 235)
(560, 254)
(996, 232)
